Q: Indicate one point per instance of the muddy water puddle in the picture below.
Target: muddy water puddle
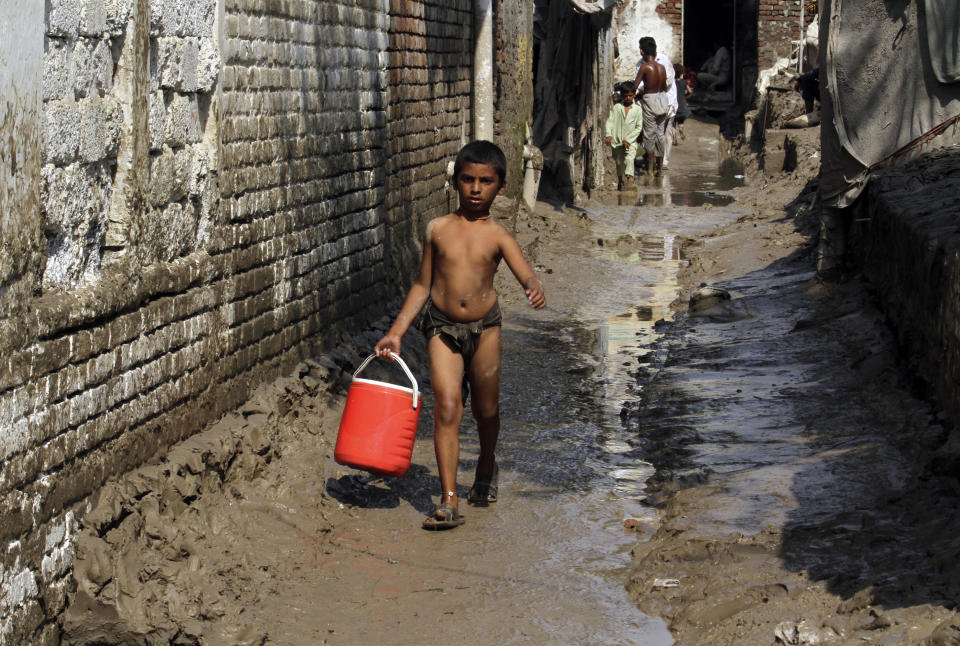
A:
(574, 473)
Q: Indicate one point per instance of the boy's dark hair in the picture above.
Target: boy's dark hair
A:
(648, 45)
(627, 86)
(482, 152)
(678, 69)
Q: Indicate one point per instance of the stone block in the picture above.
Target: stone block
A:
(157, 120)
(75, 202)
(92, 64)
(176, 63)
(208, 65)
(183, 121)
(93, 18)
(63, 18)
(56, 69)
(100, 122)
(202, 165)
(61, 134)
(198, 18)
(118, 13)
(167, 17)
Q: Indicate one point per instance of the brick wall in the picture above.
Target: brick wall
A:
(215, 216)
(428, 119)
(672, 13)
(778, 25)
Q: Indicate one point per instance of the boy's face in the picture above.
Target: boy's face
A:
(478, 185)
(627, 97)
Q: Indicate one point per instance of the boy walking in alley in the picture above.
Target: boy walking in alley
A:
(623, 127)
(460, 316)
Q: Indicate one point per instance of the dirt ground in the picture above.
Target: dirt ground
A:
(842, 528)
(860, 543)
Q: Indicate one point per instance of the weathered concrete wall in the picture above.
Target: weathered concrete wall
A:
(574, 78)
(196, 194)
(911, 253)
(21, 126)
(635, 19)
(514, 85)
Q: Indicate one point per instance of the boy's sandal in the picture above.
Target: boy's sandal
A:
(443, 517)
(484, 489)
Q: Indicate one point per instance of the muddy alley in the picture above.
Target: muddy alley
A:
(710, 472)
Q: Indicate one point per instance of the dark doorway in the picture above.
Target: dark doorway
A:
(707, 24)
(710, 24)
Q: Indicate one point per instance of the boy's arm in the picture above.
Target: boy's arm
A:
(524, 273)
(608, 127)
(416, 297)
(638, 80)
(635, 128)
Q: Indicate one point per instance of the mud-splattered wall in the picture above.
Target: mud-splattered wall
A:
(429, 67)
(634, 19)
(514, 84)
(907, 237)
(21, 238)
(196, 194)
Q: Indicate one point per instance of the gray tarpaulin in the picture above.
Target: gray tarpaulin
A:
(943, 38)
(882, 90)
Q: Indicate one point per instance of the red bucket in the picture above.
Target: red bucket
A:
(379, 424)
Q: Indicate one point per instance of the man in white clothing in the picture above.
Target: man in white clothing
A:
(664, 60)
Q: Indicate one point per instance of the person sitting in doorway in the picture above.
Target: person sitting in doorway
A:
(715, 71)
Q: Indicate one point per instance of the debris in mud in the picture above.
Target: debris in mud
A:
(801, 634)
(706, 297)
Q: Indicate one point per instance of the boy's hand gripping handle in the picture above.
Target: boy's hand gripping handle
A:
(406, 370)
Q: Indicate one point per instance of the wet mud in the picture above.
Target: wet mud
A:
(752, 466)
(807, 495)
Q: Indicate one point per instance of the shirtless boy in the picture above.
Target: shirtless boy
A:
(460, 316)
(655, 103)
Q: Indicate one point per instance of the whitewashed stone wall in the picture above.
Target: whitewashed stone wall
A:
(196, 195)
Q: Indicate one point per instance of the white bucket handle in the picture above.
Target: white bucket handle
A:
(406, 370)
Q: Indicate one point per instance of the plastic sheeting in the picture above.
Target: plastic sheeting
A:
(881, 89)
(592, 6)
(943, 39)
